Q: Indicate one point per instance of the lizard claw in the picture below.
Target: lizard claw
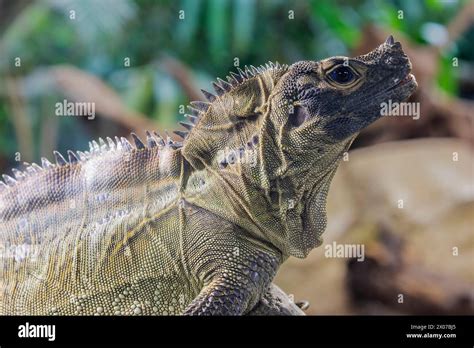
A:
(303, 305)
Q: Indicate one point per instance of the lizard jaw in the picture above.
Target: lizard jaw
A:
(409, 80)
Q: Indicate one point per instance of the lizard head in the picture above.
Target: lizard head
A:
(321, 106)
(325, 105)
(339, 96)
(277, 134)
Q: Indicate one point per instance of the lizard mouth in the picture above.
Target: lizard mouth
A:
(408, 79)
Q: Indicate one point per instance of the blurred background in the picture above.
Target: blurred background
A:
(142, 61)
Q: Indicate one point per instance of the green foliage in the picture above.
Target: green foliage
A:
(188, 28)
(6, 140)
(244, 17)
(212, 34)
(446, 78)
(341, 21)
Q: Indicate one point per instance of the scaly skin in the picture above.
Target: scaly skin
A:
(201, 228)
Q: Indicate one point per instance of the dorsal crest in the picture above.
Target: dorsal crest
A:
(96, 149)
(234, 102)
(231, 115)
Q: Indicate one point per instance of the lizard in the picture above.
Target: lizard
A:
(198, 226)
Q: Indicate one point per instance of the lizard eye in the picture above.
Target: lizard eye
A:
(342, 75)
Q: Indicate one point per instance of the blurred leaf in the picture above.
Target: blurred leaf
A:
(7, 146)
(187, 28)
(446, 79)
(167, 94)
(96, 20)
(383, 13)
(434, 5)
(12, 44)
(79, 85)
(412, 10)
(244, 18)
(140, 96)
(337, 21)
(217, 27)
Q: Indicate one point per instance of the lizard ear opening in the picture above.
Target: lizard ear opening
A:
(298, 115)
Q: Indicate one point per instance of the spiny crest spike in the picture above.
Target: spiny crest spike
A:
(150, 140)
(45, 163)
(219, 90)
(111, 143)
(225, 85)
(18, 174)
(176, 145)
(181, 134)
(60, 160)
(169, 141)
(193, 111)
(232, 81)
(186, 125)
(138, 143)
(161, 142)
(102, 144)
(95, 146)
(82, 155)
(236, 77)
(36, 167)
(8, 180)
(126, 144)
(192, 118)
(30, 170)
(118, 143)
(209, 96)
(242, 73)
(72, 157)
(199, 105)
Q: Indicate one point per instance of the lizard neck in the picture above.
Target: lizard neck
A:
(287, 213)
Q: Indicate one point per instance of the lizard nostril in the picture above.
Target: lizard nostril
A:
(396, 60)
(388, 60)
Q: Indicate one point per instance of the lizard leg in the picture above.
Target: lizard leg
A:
(276, 302)
(233, 271)
(235, 289)
(220, 297)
